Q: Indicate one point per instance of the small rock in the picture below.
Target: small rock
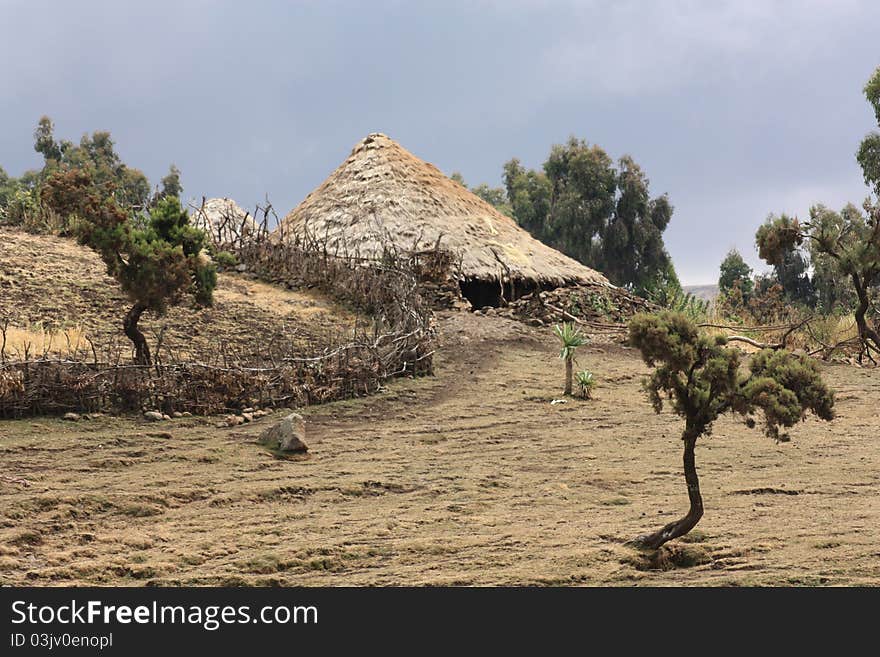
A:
(154, 416)
(247, 417)
(233, 420)
(241, 268)
(186, 414)
(247, 410)
(72, 417)
(166, 417)
(288, 435)
(177, 414)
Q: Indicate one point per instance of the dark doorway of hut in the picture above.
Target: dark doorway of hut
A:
(484, 294)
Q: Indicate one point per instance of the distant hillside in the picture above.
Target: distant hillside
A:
(706, 292)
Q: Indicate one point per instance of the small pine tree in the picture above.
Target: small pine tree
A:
(701, 378)
(735, 272)
(156, 260)
(171, 183)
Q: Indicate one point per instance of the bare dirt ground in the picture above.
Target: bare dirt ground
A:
(470, 477)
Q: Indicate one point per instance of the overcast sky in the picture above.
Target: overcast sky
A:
(735, 109)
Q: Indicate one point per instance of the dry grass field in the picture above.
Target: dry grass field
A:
(55, 293)
(470, 477)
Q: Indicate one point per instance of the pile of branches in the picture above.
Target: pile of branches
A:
(397, 341)
(387, 287)
(603, 309)
(805, 333)
(51, 385)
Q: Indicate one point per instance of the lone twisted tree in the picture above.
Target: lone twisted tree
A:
(157, 257)
(701, 378)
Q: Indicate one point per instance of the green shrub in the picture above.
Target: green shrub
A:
(586, 382)
(225, 259)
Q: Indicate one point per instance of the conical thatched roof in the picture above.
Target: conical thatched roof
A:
(383, 191)
(225, 221)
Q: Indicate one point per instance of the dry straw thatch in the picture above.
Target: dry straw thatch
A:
(225, 222)
(383, 192)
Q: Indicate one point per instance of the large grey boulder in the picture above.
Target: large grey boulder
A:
(287, 435)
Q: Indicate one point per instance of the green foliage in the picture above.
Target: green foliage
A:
(734, 270)
(663, 286)
(495, 196)
(767, 305)
(668, 293)
(457, 177)
(69, 192)
(586, 382)
(780, 241)
(785, 387)
(689, 305)
(96, 155)
(23, 208)
(776, 237)
(834, 291)
(225, 259)
(44, 141)
(844, 247)
(158, 263)
(590, 303)
(19, 199)
(701, 377)
(868, 154)
(46, 199)
(156, 260)
(528, 193)
(8, 187)
(571, 338)
(171, 183)
(594, 210)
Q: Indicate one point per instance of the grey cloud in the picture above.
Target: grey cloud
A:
(736, 109)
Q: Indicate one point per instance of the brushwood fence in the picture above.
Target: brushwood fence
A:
(399, 341)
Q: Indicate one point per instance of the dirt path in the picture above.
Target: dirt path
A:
(469, 477)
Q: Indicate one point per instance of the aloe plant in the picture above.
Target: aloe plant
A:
(571, 338)
(586, 382)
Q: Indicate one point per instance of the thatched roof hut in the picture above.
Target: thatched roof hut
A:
(225, 222)
(382, 193)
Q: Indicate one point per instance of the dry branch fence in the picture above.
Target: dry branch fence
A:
(398, 341)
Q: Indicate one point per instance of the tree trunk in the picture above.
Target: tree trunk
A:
(689, 521)
(130, 326)
(568, 376)
(866, 334)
